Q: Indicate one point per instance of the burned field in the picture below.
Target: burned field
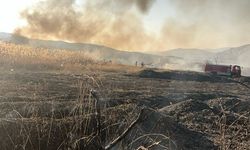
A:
(146, 109)
(117, 110)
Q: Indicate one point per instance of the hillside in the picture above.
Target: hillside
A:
(197, 57)
(237, 55)
(96, 51)
(176, 59)
(234, 55)
(189, 54)
(172, 59)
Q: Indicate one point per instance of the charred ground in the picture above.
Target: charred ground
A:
(159, 109)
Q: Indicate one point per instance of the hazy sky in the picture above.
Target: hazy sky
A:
(9, 13)
(140, 25)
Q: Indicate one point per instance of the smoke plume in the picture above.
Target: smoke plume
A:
(119, 23)
(106, 22)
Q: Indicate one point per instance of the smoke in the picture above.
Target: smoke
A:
(111, 23)
(175, 34)
(119, 23)
(144, 5)
(208, 23)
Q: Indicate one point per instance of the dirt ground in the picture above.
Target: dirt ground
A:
(159, 110)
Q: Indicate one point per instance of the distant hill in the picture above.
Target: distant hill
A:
(237, 55)
(189, 54)
(182, 59)
(98, 51)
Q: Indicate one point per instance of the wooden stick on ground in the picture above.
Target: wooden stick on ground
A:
(125, 132)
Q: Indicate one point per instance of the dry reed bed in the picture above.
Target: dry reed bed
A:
(21, 56)
(14, 56)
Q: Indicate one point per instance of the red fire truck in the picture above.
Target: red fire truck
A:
(227, 70)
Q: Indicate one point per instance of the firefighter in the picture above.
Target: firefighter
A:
(142, 64)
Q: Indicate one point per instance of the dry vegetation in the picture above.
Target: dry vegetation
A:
(28, 58)
(21, 56)
(60, 99)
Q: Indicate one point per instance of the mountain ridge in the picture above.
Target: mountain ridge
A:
(103, 52)
(181, 56)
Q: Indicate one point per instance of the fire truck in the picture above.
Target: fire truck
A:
(226, 70)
